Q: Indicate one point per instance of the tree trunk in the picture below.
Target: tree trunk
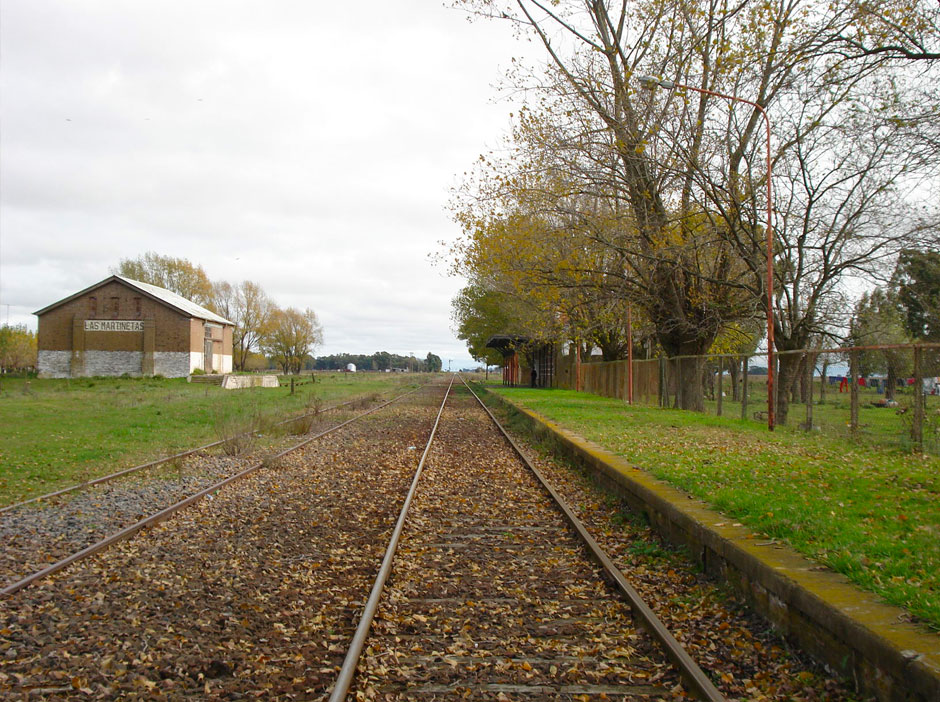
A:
(688, 360)
(805, 387)
(891, 381)
(708, 380)
(690, 395)
(823, 380)
(787, 375)
(734, 369)
(797, 386)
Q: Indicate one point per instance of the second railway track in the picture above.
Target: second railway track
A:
(38, 533)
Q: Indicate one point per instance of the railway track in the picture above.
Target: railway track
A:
(494, 596)
(67, 528)
(257, 590)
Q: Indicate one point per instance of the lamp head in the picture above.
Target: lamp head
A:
(651, 82)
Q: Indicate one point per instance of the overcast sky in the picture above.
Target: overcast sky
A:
(307, 146)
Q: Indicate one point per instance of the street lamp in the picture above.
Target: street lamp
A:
(651, 82)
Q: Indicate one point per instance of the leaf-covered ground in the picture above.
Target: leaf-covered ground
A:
(252, 594)
(39, 534)
(493, 597)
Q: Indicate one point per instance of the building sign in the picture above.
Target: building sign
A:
(114, 325)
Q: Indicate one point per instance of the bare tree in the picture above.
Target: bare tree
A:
(222, 301)
(174, 274)
(291, 337)
(252, 312)
(682, 174)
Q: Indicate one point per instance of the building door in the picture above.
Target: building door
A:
(207, 363)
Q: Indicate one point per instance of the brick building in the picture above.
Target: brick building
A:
(123, 326)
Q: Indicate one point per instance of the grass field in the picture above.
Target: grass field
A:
(59, 432)
(869, 512)
(877, 426)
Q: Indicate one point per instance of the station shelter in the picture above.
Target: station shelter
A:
(526, 362)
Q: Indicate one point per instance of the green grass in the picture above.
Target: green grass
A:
(59, 432)
(870, 512)
(878, 426)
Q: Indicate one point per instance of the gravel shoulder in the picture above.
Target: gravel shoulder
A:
(38, 534)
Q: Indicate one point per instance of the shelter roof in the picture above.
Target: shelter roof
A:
(506, 342)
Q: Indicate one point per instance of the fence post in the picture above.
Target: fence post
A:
(662, 381)
(721, 384)
(917, 426)
(809, 362)
(853, 390)
(630, 355)
(744, 383)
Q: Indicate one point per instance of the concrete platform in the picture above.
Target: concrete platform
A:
(821, 612)
(240, 382)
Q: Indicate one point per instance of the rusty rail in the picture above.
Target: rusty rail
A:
(696, 679)
(164, 514)
(345, 678)
(694, 676)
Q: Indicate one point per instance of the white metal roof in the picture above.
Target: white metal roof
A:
(177, 301)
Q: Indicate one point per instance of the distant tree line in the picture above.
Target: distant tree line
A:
(379, 361)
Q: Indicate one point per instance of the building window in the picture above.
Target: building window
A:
(137, 307)
(92, 306)
(115, 307)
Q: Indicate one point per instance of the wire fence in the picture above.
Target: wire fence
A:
(887, 395)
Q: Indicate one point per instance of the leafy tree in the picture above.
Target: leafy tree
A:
(256, 362)
(917, 281)
(480, 314)
(667, 187)
(878, 321)
(595, 138)
(175, 274)
(18, 347)
(382, 360)
(291, 336)
(433, 363)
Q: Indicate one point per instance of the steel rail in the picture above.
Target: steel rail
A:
(694, 676)
(160, 461)
(345, 678)
(167, 512)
